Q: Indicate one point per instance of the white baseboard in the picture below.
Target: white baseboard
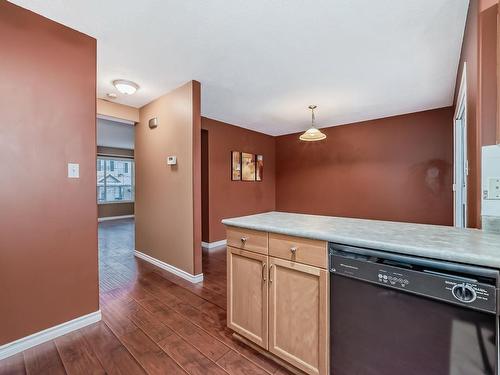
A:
(213, 245)
(48, 334)
(167, 267)
(115, 217)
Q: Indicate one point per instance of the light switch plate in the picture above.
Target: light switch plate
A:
(73, 170)
(172, 160)
(494, 188)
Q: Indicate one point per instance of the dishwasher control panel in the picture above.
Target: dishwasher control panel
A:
(393, 278)
(431, 283)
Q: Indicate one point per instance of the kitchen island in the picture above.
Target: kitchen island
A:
(469, 246)
(278, 284)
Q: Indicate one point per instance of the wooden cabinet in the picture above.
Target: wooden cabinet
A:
(247, 293)
(298, 315)
(247, 239)
(302, 250)
(277, 296)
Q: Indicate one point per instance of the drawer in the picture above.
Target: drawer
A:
(302, 250)
(247, 239)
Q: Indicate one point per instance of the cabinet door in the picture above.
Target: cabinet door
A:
(298, 321)
(247, 291)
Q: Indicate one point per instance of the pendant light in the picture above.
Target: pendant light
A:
(312, 134)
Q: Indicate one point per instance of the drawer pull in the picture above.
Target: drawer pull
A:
(293, 249)
(244, 239)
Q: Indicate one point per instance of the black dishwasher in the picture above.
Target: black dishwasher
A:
(403, 315)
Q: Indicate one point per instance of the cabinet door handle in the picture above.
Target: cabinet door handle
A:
(271, 273)
(264, 271)
(244, 239)
(293, 249)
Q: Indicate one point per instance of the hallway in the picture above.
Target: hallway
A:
(153, 322)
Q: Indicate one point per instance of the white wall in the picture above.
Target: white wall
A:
(491, 169)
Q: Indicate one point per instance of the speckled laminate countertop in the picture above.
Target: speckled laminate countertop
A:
(469, 246)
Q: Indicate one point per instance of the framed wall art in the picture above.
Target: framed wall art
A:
(247, 167)
(259, 167)
(235, 166)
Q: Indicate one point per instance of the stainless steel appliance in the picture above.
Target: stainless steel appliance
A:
(393, 314)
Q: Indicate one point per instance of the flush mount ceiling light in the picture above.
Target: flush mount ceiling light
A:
(125, 87)
(312, 134)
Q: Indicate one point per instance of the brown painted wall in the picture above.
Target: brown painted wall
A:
(196, 169)
(48, 223)
(488, 74)
(205, 199)
(236, 198)
(165, 198)
(397, 168)
(485, 4)
(116, 110)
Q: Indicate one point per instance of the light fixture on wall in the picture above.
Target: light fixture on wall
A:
(312, 134)
(125, 87)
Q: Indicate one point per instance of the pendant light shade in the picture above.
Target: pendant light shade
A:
(312, 134)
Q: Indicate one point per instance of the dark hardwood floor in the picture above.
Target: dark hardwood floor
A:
(153, 322)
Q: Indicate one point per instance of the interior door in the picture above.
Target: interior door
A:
(247, 295)
(298, 321)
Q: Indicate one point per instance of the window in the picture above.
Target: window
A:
(115, 180)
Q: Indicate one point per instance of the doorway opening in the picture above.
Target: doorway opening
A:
(205, 218)
(460, 164)
(115, 201)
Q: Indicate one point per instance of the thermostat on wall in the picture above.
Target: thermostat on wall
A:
(172, 160)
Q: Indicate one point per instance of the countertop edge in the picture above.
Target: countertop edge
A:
(468, 259)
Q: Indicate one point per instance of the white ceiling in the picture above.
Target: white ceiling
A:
(261, 62)
(115, 134)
